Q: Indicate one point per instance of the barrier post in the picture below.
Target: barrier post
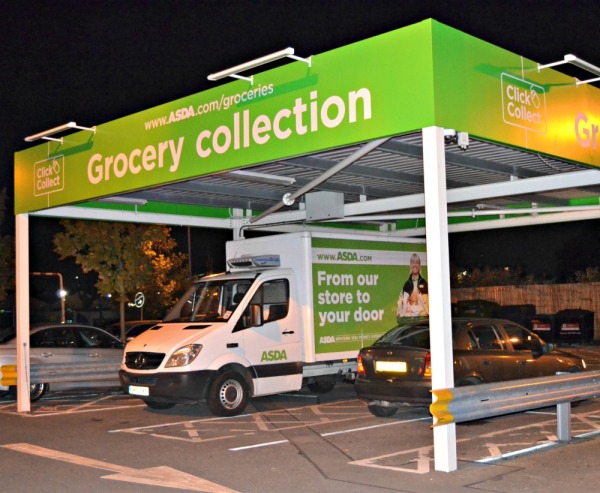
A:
(563, 422)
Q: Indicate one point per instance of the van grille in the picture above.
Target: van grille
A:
(143, 361)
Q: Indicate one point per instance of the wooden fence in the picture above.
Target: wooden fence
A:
(547, 298)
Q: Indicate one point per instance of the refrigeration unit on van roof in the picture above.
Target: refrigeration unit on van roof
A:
(254, 262)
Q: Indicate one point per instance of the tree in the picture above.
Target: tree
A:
(127, 258)
(589, 274)
(168, 278)
(7, 254)
(461, 277)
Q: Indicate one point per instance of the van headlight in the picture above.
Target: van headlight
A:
(184, 355)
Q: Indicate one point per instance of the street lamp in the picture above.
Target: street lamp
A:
(62, 292)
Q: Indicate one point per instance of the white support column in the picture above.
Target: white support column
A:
(438, 271)
(22, 277)
(240, 218)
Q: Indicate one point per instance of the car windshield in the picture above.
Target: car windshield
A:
(209, 301)
(406, 335)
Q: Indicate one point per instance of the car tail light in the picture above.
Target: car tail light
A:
(360, 369)
(427, 372)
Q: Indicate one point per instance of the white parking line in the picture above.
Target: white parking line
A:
(258, 445)
(341, 432)
(382, 425)
(49, 406)
(517, 452)
(42, 414)
(419, 457)
(533, 449)
(175, 423)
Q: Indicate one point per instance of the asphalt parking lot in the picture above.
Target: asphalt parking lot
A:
(108, 441)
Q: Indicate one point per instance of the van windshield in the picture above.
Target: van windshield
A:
(209, 301)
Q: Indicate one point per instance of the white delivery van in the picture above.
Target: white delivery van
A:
(292, 310)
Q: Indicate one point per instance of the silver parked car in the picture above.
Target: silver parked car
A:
(66, 343)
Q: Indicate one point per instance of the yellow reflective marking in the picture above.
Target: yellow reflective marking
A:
(8, 375)
(439, 407)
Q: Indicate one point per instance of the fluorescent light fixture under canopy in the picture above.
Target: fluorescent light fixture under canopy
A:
(233, 71)
(264, 177)
(123, 200)
(579, 63)
(61, 128)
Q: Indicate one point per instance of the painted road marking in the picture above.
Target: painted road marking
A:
(211, 429)
(516, 453)
(416, 461)
(72, 404)
(155, 476)
(258, 445)
(333, 433)
(372, 427)
(534, 448)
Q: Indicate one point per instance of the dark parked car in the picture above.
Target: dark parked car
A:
(396, 369)
(66, 343)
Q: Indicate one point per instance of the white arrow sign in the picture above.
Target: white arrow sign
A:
(155, 476)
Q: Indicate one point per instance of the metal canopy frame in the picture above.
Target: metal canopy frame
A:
(426, 182)
(382, 182)
(386, 180)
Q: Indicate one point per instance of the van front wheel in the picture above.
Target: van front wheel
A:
(228, 394)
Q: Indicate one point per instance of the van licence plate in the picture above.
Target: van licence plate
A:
(391, 366)
(137, 390)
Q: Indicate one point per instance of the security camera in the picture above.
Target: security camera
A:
(462, 139)
(449, 136)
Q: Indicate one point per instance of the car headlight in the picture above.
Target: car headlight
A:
(184, 355)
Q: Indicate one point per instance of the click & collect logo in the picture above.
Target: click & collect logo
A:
(523, 104)
(49, 176)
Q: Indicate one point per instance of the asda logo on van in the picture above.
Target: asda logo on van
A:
(274, 355)
(344, 256)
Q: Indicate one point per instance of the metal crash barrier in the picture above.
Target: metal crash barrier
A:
(61, 372)
(473, 402)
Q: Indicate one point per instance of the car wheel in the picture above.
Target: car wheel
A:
(227, 395)
(382, 411)
(159, 405)
(469, 381)
(36, 391)
(321, 387)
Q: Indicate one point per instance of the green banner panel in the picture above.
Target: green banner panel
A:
(499, 96)
(418, 76)
(343, 98)
(357, 288)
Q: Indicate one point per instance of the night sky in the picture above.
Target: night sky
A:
(95, 61)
